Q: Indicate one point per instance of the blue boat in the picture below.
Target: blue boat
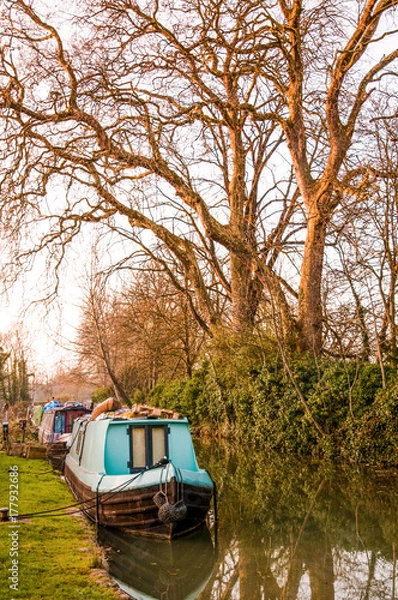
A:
(55, 428)
(57, 421)
(136, 469)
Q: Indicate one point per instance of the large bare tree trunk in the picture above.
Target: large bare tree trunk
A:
(245, 295)
(310, 300)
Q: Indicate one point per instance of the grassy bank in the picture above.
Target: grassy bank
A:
(48, 556)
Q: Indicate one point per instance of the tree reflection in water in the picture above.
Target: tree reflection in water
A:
(287, 530)
(294, 530)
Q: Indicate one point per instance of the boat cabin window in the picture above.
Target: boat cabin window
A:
(148, 445)
(59, 426)
(64, 420)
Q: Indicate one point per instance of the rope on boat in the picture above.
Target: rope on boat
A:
(86, 504)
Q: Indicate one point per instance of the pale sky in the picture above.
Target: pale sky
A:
(39, 337)
(49, 329)
(46, 332)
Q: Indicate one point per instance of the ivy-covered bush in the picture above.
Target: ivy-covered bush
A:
(307, 407)
(373, 438)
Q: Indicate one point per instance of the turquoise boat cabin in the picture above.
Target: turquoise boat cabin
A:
(138, 473)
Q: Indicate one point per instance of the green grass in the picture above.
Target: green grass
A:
(56, 554)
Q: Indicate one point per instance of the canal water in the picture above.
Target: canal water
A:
(287, 529)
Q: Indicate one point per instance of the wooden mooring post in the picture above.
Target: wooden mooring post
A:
(4, 514)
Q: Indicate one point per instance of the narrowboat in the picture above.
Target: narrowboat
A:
(56, 427)
(57, 420)
(137, 470)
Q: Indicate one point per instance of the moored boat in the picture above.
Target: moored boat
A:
(138, 472)
(57, 421)
(56, 427)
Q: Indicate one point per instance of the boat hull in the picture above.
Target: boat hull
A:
(56, 454)
(136, 511)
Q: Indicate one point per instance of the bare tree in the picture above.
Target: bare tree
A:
(169, 121)
(385, 222)
(326, 79)
(139, 335)
(98, 334)
(15, 383)
(365, 272)
(161, 337)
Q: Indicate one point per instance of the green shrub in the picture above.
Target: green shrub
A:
(101, 394)
(257, 402)
(374, 437)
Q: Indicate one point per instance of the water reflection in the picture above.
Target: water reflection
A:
(288, 530)
(293, 530)
(158, 569)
